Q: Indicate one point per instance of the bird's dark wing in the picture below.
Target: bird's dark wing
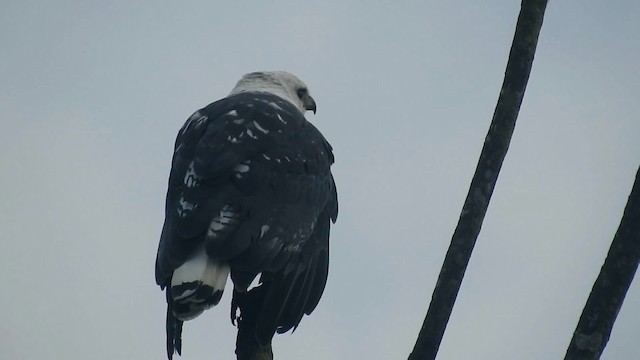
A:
(293, 201)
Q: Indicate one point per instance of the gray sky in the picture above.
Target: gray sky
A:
(92, 94)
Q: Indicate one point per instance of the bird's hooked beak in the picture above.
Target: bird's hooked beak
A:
(309, 103)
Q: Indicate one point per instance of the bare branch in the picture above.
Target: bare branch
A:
(475, 207)
(249, 303)
(604, 303)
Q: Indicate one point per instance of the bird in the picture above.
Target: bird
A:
(250, 196)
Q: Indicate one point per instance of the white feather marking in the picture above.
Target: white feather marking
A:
(275, 105)
(191, 270)
(196, 119)
(191, 178)
(293, 247)
(263, 230)
(216, 225)
(225, 217)
(215, 274)
(266, 157)
(238, 121)
(184, 207)
(200, 268)
(232, 113)
(260, 128)
(242, 168)
(254, 283)
(250, 133)
(281, 119)
(226, 212)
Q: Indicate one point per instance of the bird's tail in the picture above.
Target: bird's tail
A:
(174, 329)
(197, 285)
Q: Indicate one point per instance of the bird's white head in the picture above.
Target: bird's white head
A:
(280, 83)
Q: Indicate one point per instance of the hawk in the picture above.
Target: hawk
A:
(251, 196)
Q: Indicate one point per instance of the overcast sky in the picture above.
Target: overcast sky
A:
(92, 94)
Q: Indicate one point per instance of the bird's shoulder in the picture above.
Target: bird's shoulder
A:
(231, 130)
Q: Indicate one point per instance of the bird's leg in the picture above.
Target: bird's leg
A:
(249, 303)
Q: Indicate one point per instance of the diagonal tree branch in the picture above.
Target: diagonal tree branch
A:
(475, 206)
(608, 292)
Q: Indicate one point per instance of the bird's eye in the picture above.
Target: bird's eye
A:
(301, 92)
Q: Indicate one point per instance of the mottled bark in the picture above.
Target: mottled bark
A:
(247, 347)
(474, 209)
(608, 292)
